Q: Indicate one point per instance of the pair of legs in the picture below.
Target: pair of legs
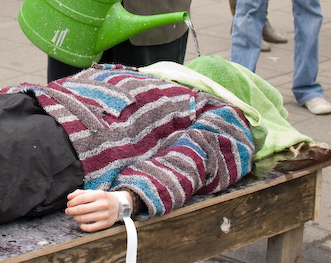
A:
(127, 54)
(269, 34)
(249, 20)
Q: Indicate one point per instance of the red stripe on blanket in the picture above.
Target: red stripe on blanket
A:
(210, 188)
(225, 145)
(184, 181)
(149, 141)
(190, 153)
(73, 126)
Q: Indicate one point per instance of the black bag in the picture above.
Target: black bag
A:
(38, 165)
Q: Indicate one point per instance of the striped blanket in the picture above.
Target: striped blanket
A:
(161, 140)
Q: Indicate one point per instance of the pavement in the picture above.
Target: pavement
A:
(22, 62)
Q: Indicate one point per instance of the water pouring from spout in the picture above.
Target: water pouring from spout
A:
(195, 38)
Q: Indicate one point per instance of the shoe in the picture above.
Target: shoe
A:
(233, 4)
(271, 35)
(265, 47)
(318, 106)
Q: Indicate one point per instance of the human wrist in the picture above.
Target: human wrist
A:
(125, 204)
(129, 198)
(137, 205)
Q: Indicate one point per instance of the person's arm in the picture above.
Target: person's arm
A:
(95, 209)
(209, 156)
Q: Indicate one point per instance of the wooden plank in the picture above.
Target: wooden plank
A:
(318, 195)
(104, 246)
(200, 233)
(253, 217)
(110, 243)
(286, 247)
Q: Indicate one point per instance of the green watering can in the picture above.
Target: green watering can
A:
(76, 32)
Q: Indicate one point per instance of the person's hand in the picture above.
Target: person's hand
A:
(95, 209)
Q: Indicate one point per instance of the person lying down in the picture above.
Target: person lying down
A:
(110, 128)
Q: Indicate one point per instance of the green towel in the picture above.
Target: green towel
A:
(261, 103)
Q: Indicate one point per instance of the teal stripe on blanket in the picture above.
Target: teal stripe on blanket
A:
(244, 162)
(112, 102)
(201, 126)
(106, 178)
(111, 177)
(243, 151)
(228, 116)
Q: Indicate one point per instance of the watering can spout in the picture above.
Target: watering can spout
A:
(76, 32)
(120, 25)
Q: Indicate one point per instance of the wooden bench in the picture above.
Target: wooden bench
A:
(272, 204)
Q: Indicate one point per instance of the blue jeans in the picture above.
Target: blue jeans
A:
(247, 28)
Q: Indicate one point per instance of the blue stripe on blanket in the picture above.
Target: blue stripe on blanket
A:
(229, 117)
(110, 177)
(186, 141)
(114, 103)
(244, 159)
(244, 152)
(106, 178)
(192, 103)
(109, 73)
(201, 126)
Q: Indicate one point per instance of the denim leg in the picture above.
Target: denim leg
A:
(307, 24)
(248, 22)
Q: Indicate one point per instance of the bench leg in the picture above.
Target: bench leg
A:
(286, 247)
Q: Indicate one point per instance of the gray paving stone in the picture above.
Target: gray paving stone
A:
(316, 254)
(312, 234)
(254, 253)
